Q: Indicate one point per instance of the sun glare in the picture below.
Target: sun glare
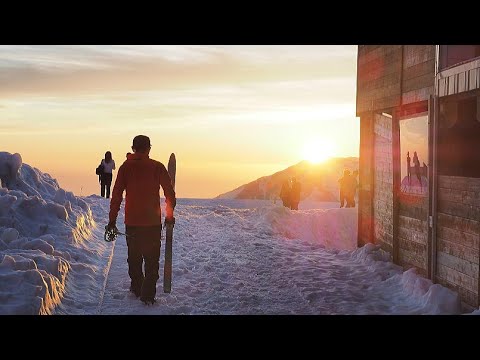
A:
(317, 151)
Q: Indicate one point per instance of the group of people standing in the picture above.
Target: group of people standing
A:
(348, 188)
(290, 193)
(416, 166)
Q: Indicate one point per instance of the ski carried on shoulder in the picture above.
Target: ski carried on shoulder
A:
(169, 224)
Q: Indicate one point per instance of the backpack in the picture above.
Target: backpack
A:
(99, 170)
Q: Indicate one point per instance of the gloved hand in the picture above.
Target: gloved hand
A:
(170, 206)
(111, 232)
(171, 203)
(112, 226)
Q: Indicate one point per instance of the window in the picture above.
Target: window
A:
(414, 155)
(458, 138)
(455, 54)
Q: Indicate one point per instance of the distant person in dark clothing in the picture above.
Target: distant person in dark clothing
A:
(344, 183)
(106, 178)
(408, 168)
(352, 191)
(416, 163)
(285, 194)
(295, 194)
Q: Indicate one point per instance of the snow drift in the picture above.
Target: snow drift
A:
(43, 233)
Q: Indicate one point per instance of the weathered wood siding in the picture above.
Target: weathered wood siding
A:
(461, 78)
(365, 219)
(392, 75)
(413, 233)
(378, 77)
(389, 76)
(383, 183)
(458, 232)
(418, 76)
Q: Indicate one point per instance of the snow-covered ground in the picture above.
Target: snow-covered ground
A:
(232, 259)
(229, 257)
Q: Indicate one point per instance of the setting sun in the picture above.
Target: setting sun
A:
(318, 150)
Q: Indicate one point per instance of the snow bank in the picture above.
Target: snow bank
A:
(331, 228)
(43, 234)
(337, 229)
(416, 291)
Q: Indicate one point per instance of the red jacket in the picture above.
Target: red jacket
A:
(141, 177)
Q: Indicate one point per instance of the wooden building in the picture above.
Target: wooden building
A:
(420, 104)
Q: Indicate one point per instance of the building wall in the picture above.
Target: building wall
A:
(397, 79)
(383, 183)
(418, 76)
(458, 231)
(378, 77)
(392, 75)
(394, 79)
(365, 224)
(412, 234)
(462, 78)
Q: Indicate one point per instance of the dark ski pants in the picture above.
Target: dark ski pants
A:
(342, 198)
(143, 246)
(350, 201)
(105, 184)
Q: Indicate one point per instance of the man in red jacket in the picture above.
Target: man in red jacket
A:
(142, 177)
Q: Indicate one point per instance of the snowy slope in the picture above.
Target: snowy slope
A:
(45, 239)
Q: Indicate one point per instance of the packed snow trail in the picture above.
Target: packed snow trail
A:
(270, 260)
(85, 287)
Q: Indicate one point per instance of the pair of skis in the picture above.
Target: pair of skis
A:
(111, 235)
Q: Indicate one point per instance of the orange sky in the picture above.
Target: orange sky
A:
(231, 114)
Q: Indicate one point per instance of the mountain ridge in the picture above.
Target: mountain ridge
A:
(319, 181)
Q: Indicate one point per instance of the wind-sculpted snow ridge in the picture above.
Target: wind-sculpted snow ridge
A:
(45, 234)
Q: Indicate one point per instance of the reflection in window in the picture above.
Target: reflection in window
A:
(458, 139)
(455, 54)
(414, 155)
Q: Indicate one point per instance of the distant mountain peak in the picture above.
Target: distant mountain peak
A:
(319, 181)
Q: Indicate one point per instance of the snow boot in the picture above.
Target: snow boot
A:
(148, 300)
(136, 291)
(136, 287)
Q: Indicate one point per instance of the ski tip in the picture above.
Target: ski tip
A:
(172, 156)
